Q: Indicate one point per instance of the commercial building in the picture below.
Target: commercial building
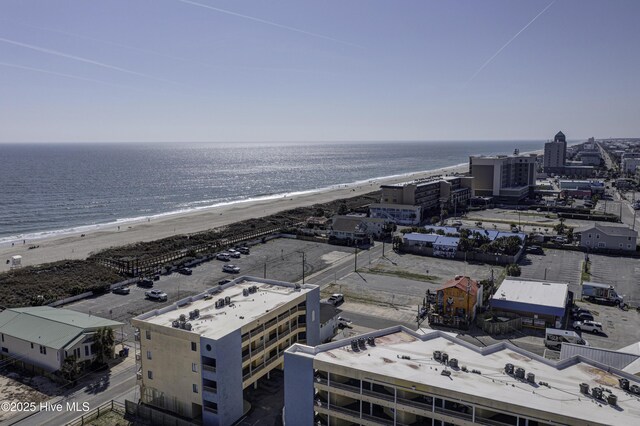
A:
(590, 158)
(43, 337)
(329, 322)
(608, 237)
(199, 354)
(630, 162)
(401, 214)
(581, 188)
(626, 359)
(430, 194)
(555, 154)
(398, 376)
(506, 178)
(539, 304)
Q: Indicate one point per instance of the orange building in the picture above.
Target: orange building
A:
(456, 301)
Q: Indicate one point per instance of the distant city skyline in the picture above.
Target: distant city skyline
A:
(296, 71)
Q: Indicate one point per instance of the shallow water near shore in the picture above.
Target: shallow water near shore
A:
(53, 189)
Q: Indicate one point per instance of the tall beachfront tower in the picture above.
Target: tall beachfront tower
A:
(199, 354)
(555, 154)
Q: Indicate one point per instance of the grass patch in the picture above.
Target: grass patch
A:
(585, 271)
(379, 270)
(110, 418)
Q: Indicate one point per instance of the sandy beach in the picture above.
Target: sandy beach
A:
(74, 246)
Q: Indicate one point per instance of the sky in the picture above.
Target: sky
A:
(331, 70)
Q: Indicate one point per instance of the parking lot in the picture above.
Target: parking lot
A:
(621, 272)
(555, 266)
(282, 258)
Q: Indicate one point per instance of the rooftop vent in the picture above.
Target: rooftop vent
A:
(624, 383)
(584, 388)
(612, 399)
(531, 378)
(520, 373)
(508, 368)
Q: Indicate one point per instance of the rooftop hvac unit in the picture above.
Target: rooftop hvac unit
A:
(624, 383)
(444, 357)
(187, 326)
(520, 373)
(245, 292)
(362, 343)
(635, 389)
(182, 317)
(227, 300)
(437, 355)
(508, 368)
(612, 399)
(453, 363)
(253, 289)
(371, 341)
(584, 388)
(182, 323)
(596, 393)
(531, 378)
(192, 315)
(354, 345)
(175, 324)
(196, 312)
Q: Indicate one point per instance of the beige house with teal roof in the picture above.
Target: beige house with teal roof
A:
(43, 337)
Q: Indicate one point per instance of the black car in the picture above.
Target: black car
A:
(223, 282)
(584, 316)
(185, 271)
(145, 282)
(121, 290)
(535, 250)
(243, 249)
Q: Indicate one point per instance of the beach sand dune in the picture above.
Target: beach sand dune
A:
(75, 246)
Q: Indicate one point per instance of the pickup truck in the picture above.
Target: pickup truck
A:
(336, 299)
(156, 295)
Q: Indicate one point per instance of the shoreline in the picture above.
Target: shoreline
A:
(73, 246)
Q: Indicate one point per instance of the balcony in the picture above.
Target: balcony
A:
(210, 389)
(209, 368)
(211, 410)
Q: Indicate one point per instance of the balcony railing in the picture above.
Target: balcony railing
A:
(210, 368)
(210, 389)
(211, 410)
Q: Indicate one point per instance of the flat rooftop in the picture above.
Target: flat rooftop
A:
(215, 323)
(562, 396)
(533, 293)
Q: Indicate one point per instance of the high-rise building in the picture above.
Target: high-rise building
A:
(199, 354)
(507, 178)
(555, 154)
(398, 376)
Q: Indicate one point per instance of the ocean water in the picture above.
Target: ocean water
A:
(55, 188)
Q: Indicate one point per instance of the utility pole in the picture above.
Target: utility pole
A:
(383, 248)
(355, 267)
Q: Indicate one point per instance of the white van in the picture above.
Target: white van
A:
(554, 338)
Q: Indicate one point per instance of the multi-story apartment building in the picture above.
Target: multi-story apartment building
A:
(555, 154)
(630, 162)
(506, 178)
(398, 376)
(198, 355)
(429, 195)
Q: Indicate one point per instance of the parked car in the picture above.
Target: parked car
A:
(560, 240)
(336, 299)
(185, 271)
(145, 282)
(223, 282)
(243, 249)
(535, 250)
(234, 253)
(584, 316)
(223, 256)
(576, 310)
(158, 295)
(591, 326)
(121, 290)
(156, 277)
(230, 268)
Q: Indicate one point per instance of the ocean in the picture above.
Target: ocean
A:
(48, 189)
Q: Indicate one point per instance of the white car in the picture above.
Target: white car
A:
(230, 268)
(156, 295)
(223, 256)
(234, 253)
(336, 299)
(592, 326)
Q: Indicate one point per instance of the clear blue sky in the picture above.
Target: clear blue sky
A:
(331, 70)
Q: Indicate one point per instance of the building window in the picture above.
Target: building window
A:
(194, 346)
(43, 350)
(598, 236)
(194, 367)
(5, 350)
(150, 374)
(86, 350)
(195, 388)
(148, 334)
(148, 354)
(589, 235)
(208, 347)
(31, 345)
(3, 337)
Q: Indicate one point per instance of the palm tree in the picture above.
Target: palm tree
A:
(103, 346)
